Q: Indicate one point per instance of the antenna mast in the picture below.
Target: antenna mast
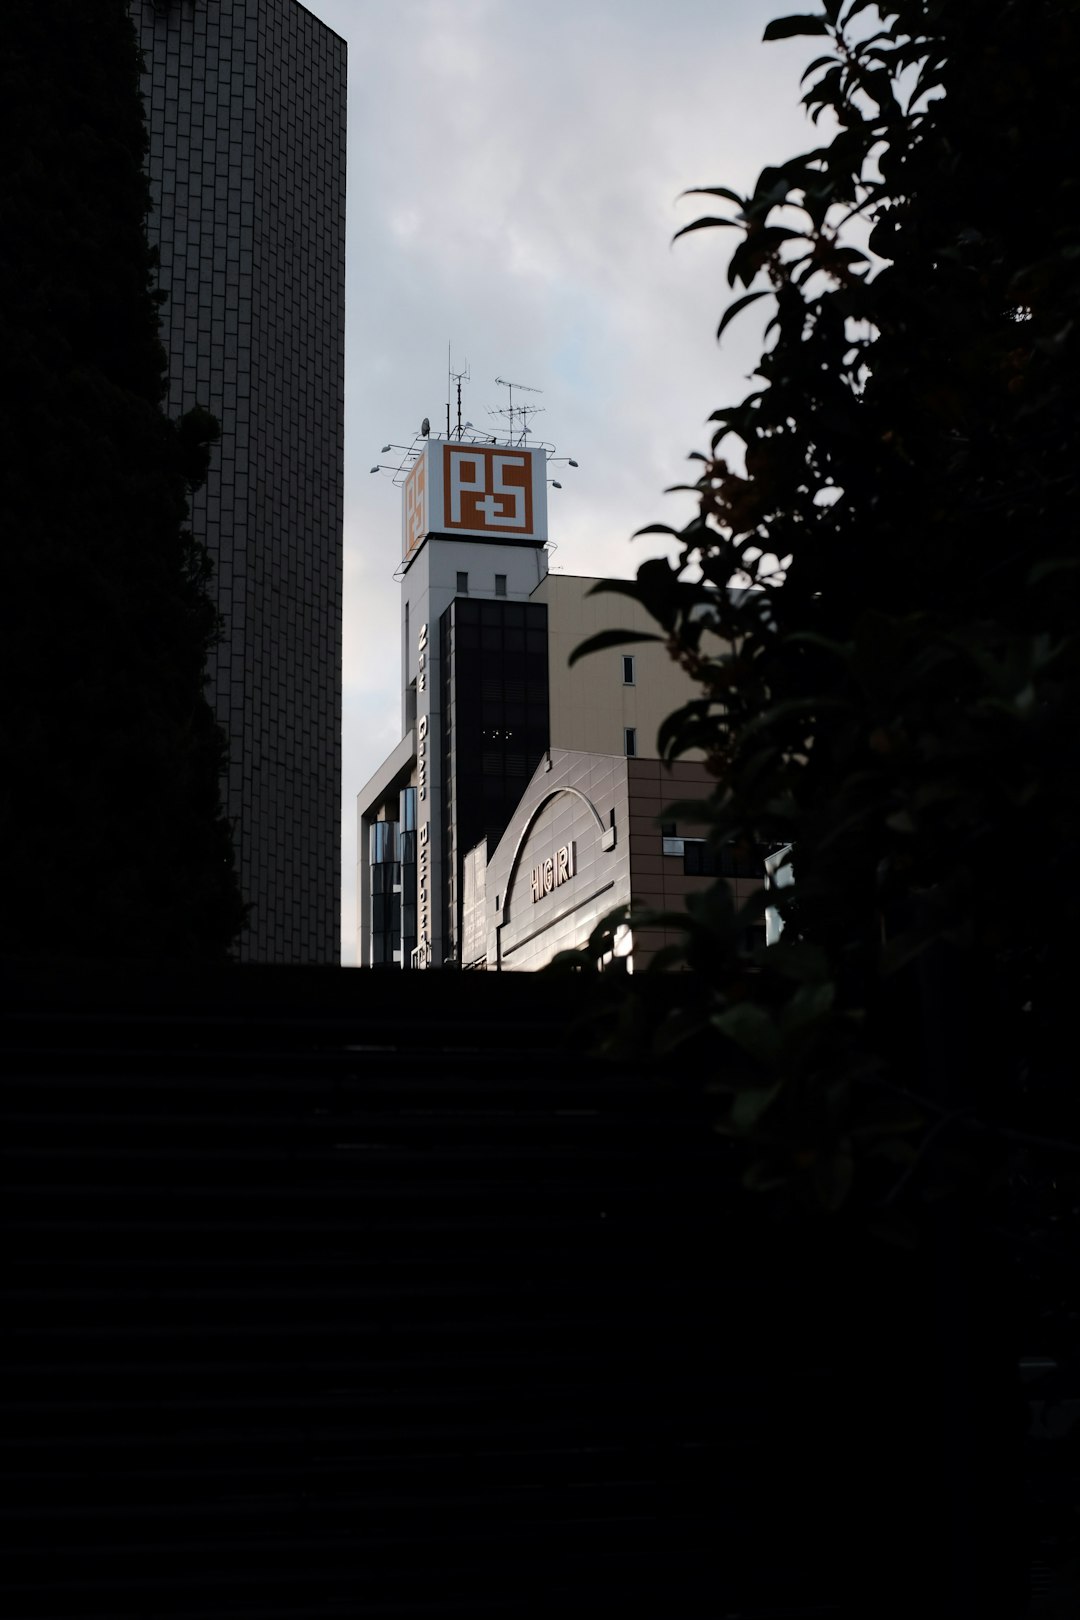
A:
(457, 377)
(523, 411)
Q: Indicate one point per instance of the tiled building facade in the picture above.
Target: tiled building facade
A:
(245, 103)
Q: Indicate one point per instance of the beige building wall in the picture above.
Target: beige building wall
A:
(591, 704)
(576, 802)
(658, 880)
(606, 815)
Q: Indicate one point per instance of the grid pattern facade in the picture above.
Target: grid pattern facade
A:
(245, 103)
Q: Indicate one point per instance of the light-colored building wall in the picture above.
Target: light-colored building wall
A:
(586, 839)
(576, 802)
(660, 882)
(591, 704)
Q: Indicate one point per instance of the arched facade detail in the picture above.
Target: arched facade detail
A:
(534, 817)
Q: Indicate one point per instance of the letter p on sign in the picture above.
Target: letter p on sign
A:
(487, 489)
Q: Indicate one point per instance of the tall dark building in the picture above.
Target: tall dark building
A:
(493, 661)
(245, 102)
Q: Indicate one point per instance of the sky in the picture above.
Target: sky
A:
(514, 180)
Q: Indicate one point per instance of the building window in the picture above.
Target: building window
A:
(699, 858)
(629, 741)
(463, 584)
(628, 670)
(500, 584)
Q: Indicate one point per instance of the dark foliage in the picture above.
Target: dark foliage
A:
(113, 836)
(899, 700)
(896, 698)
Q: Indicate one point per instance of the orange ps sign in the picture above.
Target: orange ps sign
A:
(493, 491)
(415, 512)
(487, 488)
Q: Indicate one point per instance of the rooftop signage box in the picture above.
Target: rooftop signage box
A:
(477, 491)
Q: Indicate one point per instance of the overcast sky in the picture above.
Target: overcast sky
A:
(514, 174)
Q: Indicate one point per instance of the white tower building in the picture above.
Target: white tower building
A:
(475, 698)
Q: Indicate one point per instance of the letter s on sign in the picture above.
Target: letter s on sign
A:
(514, 513)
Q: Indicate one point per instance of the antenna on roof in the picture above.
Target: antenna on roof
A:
(453, 377)
(523, 412)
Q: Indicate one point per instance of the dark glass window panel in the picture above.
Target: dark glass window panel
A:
(462, 583)
(466, 613)
(468, 637)
(536, 641)
(699, 858)
(378, 879)
(500, 710)
(741, 861)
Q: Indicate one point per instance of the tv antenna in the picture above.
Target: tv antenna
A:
(523, 413)
(455, 378)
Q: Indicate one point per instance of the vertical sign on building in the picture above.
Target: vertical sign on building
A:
(414, 509)
(422, 954)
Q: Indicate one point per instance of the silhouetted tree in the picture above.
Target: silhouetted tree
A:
(898, 694)
(113, 836)
(897, 697)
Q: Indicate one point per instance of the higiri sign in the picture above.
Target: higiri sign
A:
(489, 491)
